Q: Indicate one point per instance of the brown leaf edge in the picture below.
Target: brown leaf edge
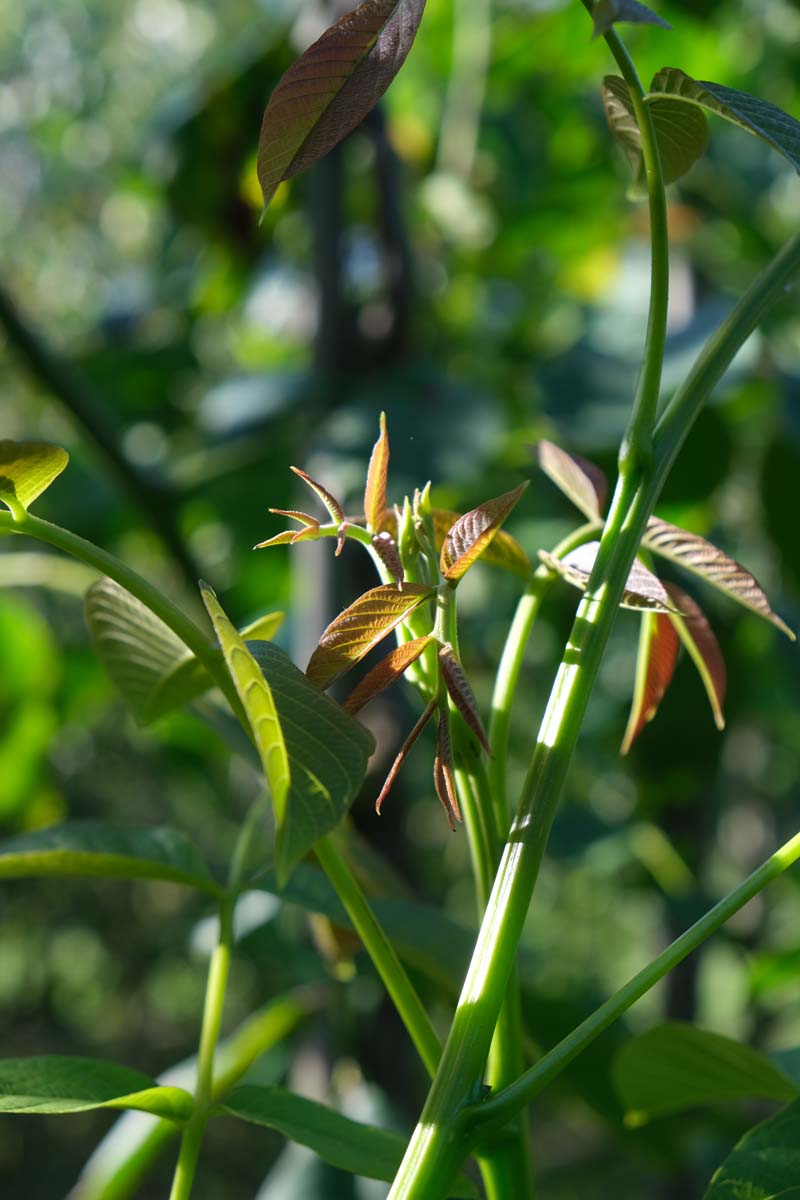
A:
(655, 666)
(385, 673)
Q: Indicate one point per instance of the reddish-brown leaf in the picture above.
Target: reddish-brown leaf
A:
(296, 515)
(443, 772)
(658, 652)
(358, 628)
(331, 503)
(385, 547)
(467, 539)
(580, 480)
(460, 693)
(332, 87)
(703, 648)
(384, 674)
(643, 589)
(403, 754)
(377, 474)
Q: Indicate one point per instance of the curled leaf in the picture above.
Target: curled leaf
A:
(643, 589)
(655, 665)
(358, 628)
(701, 645)
(26, 470)
(377, 472)
(385, 547)
(384, 674)
(607, 12)
(681, 129)
(580, 480)
(403, 754)
(443, 771)
(460, 693)
(331, 503)
(705, 560)
(471, 534)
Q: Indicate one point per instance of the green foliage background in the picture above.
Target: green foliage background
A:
(489, 289)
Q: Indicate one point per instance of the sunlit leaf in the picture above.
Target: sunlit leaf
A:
(580, 480)
(765, 1164)
(349, 1145)
(681, 129)
(332, 87)
(26, 470)
(702, 646)
(100, 849)
(331, 503)
(677, 1066)
(658, 652)
(403, 754)
(766, 121)
(643, 589)
(56, 1083)
(296, 515)
(385, 547)
(607, 12)
(470, 535)
(385, 673)
(503, 551)
(460, 692)
(443, 771)
(358, 628)
(705, 560)
(375, 490)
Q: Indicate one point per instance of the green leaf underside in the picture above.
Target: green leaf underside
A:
(332, 87)
(385, 673)
(681, 129)
(27, 469)
(102, 850)
(764, 120)
(765, 1164)
(676, 1066)
(377, 473)
(655, 664)
(705, 560)
(580, 480)
(327, 753)
(61, 1084)
(702, 647)
(643, 589)
(470, 535)
(349, 1145)
(607, 12)
(361, 626)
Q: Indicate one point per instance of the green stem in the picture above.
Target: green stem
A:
(381, 951)
(504, 1105)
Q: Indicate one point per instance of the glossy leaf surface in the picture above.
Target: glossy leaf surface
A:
(607, 12)
(580, 480)
(702, 646)
(56, 1083)
(27, 469)
(656, 658)
(385, 673)
(643, 589)
(765, 1165)
(377, 473)
(470, 535)
(681, 129)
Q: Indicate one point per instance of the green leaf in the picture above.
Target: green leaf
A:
(350, 1145)
(681, 129)
(368, 620)
(470, 535)
(655, 664)
(101, 850)
(765, 1164)
(607, 12)
(327, 753)
(643, 589)
(765, 121)
(333, 86)
(26, 470)
(59, 1084)
(692, 627)
(675, 1066)
(580, 480)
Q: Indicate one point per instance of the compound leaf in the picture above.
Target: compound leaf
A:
(471, 534)
(55, 1083)
(26, 470)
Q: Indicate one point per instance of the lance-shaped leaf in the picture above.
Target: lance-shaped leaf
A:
(55, 1083)
(443, 779)
(467, 539)
(765, 121)
(332, 87)
(607, 12)
(26, 470)
(377, 473)
(705, 560)
(358, 628)
(681, 129)
(655, 664)
(643, 589)
(580, 480)
(460, 693)
(403, 754)
(350, 1145)
(765, 1164)
(331, 503)
(692, 627)
(103, 850)
(385, 673)
(385, 547)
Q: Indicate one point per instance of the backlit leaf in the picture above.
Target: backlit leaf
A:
(331, 503)
(103, 850)
(375, 490)
(403, 754)
(607, 12)
(27, 469)
(705, 560)
(580, 480)
(681, 129)
(55, 1083)
(658, 652)
(503, 551)
(765, 1164)
(443, 770)
(460, 693)
(332, 87)
(385, 547)
(692, 627)
(385, 673)
(470, 535)
(765, 121)
(643, 589)
(358, 628)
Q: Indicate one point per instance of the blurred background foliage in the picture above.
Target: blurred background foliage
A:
(469, 262)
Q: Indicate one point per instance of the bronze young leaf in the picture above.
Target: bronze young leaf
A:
(331, 503)
(384, 674)
(655, 665)
(580, 480)
(460, 693)
(403, 753)
(702, 647)
(443, 770)
(375, 490)
(467, 539)
(643, 589)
